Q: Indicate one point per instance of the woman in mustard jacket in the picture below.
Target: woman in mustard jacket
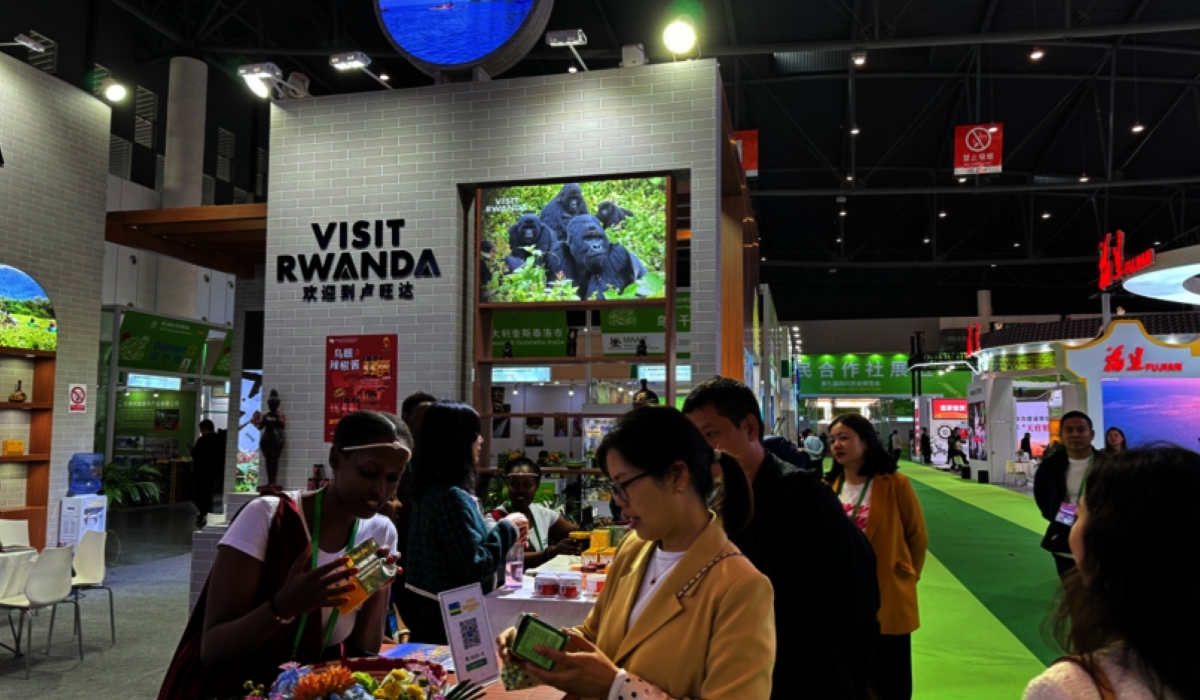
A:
(683, 613)
(882, 503)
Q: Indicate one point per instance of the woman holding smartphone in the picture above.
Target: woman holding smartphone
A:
(678, 589)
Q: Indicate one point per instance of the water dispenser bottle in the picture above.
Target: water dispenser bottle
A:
(86, 472)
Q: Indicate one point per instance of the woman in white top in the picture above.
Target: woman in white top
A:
(279, 571)
(1128, 613)
(548, 531)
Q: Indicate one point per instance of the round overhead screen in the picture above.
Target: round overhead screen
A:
(455, 35)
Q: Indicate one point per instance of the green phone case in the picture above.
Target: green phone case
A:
(532, 632)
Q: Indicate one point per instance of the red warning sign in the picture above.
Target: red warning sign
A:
(978, 148)
(77, 398)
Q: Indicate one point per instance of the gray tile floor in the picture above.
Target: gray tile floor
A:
(150, 583)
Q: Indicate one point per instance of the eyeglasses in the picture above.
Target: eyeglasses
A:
(395, 445)
(620, 489)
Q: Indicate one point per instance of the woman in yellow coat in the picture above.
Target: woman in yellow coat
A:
(882, 503)
(683, 614)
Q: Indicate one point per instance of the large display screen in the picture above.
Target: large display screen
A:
(26, 315)
(1154, 410)
(601, 240)
(450, 33)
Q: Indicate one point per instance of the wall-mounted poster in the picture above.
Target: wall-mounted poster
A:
(27, 318)
(358, 375)
(977, 427)
(600, 240)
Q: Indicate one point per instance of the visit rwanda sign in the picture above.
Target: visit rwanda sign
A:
(853, 375)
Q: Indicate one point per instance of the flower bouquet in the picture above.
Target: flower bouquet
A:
(364, 679)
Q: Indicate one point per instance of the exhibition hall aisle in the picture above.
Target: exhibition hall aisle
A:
(985, 590)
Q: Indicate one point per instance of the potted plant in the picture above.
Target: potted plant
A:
(132, 483)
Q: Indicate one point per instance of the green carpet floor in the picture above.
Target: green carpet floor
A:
(985, 591)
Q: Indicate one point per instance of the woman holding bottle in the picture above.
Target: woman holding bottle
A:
(883, 505)
(548, 531)
(449, 544)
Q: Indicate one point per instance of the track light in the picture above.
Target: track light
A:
(260, 77)
(113, 91)
(1045, 215)
(1083, 177)
(942, 214)
(680, 36)
(572, 69)
(351, 60)
(1036, 54)
(32, 44)
(859, 56)
(1138, 128)
(854, 130)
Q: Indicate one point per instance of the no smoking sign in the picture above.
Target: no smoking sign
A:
(77, 398)
(978, 148)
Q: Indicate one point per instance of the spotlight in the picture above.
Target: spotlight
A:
(515, 392)
(384, 76)
(993, 128)
(962, 180)
(942, 214)
(260, 77)
(854, 130)
(113, 91)
(572, 69)
(1138, 128)
(1045, 215)
(351, 60)
(571, 391)
(31, 44)
(859, 56)
(842, 212)
(1158, 243)
(839, 240)
(849, 178)
(764, 258)
(993, 264)
(1016, 244)
(1083, 177)
(680, 36)
(926, 240)
(1036, 54)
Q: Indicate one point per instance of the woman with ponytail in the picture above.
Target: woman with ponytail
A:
(883, 505)
(684, 614)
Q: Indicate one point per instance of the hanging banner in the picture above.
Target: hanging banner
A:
(950, 409)
(854, 375)
(747, 143)
(160, 344)
(643, 331)
(358, 375)
(221, 366)
(978, 149)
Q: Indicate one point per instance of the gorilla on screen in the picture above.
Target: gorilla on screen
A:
(592, 261)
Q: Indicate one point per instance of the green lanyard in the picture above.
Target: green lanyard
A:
(861, 494)
(316, 547)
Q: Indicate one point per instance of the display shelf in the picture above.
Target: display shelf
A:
(628, 360)
(26, 405)
(22, 352)
(12, 459)
(571, 305)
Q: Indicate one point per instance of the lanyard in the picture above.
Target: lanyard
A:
(861, 494)
(541, 542)
(1083, 481)
(316, 547)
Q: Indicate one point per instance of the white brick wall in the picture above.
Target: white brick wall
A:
(52, 204)
(406, 153)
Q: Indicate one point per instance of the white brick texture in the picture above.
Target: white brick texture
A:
(416, 155)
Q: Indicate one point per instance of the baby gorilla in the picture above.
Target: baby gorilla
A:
(610, 214)
(528, 231)
(591, 261)
(566, 205)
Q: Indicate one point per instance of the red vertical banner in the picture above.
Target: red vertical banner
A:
(747, 143)
(358, 375)
(978, 148)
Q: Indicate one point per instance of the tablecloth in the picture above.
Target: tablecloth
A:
(505, 606)
(14, 570)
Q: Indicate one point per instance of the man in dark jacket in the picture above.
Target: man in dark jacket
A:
(822, 567)
(208, 461)
(785, 450)
(926, 447)
(1059, 483)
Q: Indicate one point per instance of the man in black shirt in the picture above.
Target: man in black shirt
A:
(208, 461)
(822, 567)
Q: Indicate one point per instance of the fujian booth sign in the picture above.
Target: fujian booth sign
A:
(1113, 265)
(856, 375)
(1127, 352)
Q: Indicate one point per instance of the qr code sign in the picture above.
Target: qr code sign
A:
(469, 629)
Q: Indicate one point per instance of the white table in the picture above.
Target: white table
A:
(14, 570)
(505, 606)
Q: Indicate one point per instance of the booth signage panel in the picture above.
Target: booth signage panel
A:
(978, 148)
(1033, 417)
(533, 334)
(747, 143)
(658, 373)
(221, 366)
(1113, 265)
(951, 385)
(853, 374)
(996, 362)
(153, 425)
(1126, 352)
(358, 375)
(160, 344)
(950, 409)
(520, 374)
(150, 381)
(625, 330)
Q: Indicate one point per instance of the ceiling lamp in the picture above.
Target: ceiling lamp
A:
(942, 214)
(854, 130)
(1138, 128)
(993, 128)
(260, 77)
(1046, 215)
(1016, 244)
(962, 179)
(926, 240)
(859, 56)
(572, 69)
(1083, 177)
(356, 60)
(680, 36)
(849, 178)
(32, 44)
(384, 76)
(113, 91)
(1036, 54)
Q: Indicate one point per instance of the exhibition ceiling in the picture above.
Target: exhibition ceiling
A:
(914, 240)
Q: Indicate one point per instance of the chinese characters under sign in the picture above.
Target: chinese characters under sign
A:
(1116, 361)
(1113, 265)
(387, 291)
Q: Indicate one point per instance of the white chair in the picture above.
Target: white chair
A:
(49, 584)
(89, 573)
(14, 533)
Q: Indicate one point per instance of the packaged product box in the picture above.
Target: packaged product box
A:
(373, 574)
(13, 448)
(600, 538)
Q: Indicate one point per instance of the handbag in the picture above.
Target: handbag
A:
(1057, 539)
(1095, 672)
